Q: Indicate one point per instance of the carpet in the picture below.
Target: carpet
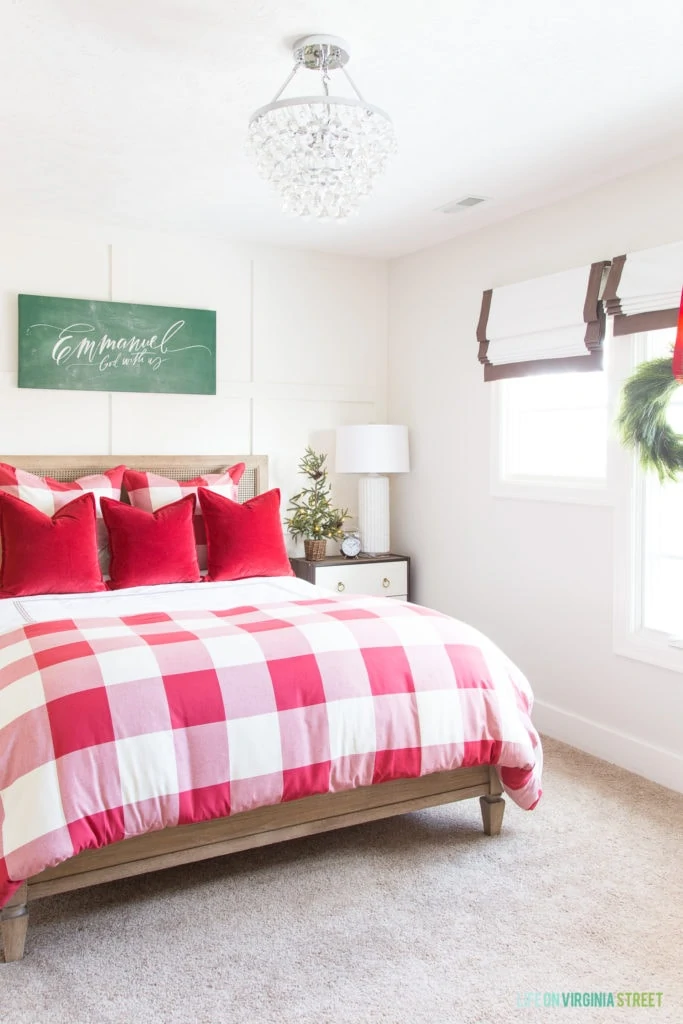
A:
(414, 919)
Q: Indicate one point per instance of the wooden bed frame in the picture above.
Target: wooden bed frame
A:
(246, 830)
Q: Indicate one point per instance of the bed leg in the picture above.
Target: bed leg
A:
(493, 805)
(14, 923)
(492, 810)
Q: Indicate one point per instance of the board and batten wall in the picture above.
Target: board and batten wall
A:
(301, 347)
(536, 576)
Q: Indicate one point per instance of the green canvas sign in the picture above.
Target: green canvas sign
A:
(77, 345)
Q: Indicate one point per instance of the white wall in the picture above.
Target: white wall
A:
(301, 347)
(536, 576)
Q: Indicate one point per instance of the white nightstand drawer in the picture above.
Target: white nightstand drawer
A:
(384, 579)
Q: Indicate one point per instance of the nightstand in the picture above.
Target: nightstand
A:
(380, 575)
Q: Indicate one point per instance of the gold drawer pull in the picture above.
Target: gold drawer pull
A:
(341, 586)
(386, 582)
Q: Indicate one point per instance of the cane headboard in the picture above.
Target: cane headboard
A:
(179, 467)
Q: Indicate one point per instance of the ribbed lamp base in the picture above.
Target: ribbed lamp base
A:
(373, 514)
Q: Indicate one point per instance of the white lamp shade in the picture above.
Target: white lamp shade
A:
(372, 448)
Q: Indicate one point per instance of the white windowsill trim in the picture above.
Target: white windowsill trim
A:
(570, 492)
(650, 646)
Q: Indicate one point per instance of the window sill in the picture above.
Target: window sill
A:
(571, 492)
(650, 646)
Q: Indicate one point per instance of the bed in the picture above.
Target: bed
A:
(290, 815)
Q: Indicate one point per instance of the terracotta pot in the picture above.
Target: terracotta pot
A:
(315, 549)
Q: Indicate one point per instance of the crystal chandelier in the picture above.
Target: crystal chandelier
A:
(321, 153)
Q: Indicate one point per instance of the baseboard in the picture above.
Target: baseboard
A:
(654, 763)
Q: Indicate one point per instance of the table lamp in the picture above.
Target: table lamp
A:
(373, 449)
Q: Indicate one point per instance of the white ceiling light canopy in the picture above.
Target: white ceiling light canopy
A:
(321, 153)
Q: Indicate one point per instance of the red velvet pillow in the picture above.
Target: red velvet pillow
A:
(151, 547)
(48, 554)
(244, 540)
(49, 495)
(151, 491)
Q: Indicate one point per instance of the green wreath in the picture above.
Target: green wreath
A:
(642, 421)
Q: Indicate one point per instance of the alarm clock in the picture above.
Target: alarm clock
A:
(350, 545)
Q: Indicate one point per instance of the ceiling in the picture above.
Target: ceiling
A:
(134, 112)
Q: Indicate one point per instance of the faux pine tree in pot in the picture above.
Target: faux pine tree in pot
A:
(312, 515)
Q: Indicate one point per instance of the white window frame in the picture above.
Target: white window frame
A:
(570, 490)
(631, 639)
(623, 487)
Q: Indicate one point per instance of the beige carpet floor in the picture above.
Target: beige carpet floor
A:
(411, 920)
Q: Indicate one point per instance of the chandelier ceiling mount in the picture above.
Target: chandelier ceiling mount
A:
(314, 52)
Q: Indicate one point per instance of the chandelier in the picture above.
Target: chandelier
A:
(321, 153)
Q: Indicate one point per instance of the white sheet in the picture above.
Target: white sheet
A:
(170, 597)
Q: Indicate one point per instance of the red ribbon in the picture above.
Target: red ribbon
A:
(677, 366)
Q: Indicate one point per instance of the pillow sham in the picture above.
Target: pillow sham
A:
(148, 548)
(50, 495)
(244, 540)
(44, 554)
(150, 492)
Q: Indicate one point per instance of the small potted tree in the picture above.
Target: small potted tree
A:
(312, 515)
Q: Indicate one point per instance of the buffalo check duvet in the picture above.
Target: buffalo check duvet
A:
(112, 727)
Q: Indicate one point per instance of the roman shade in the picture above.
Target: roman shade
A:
(643, 290)
(552, 324)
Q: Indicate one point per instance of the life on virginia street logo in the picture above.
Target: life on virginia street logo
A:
(558, 1000)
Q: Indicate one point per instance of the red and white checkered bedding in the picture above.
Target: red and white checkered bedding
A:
(112, 727)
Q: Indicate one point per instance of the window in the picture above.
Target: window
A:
(662, 526)
(550, 437)
(553, 440)
(649, 543)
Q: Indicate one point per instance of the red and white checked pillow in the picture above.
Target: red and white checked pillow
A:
(150, 492)
(50, 495)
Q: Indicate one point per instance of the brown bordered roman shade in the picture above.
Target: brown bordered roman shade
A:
(552, 324)
(643, 290)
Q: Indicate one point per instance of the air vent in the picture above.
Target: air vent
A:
(459, 205)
